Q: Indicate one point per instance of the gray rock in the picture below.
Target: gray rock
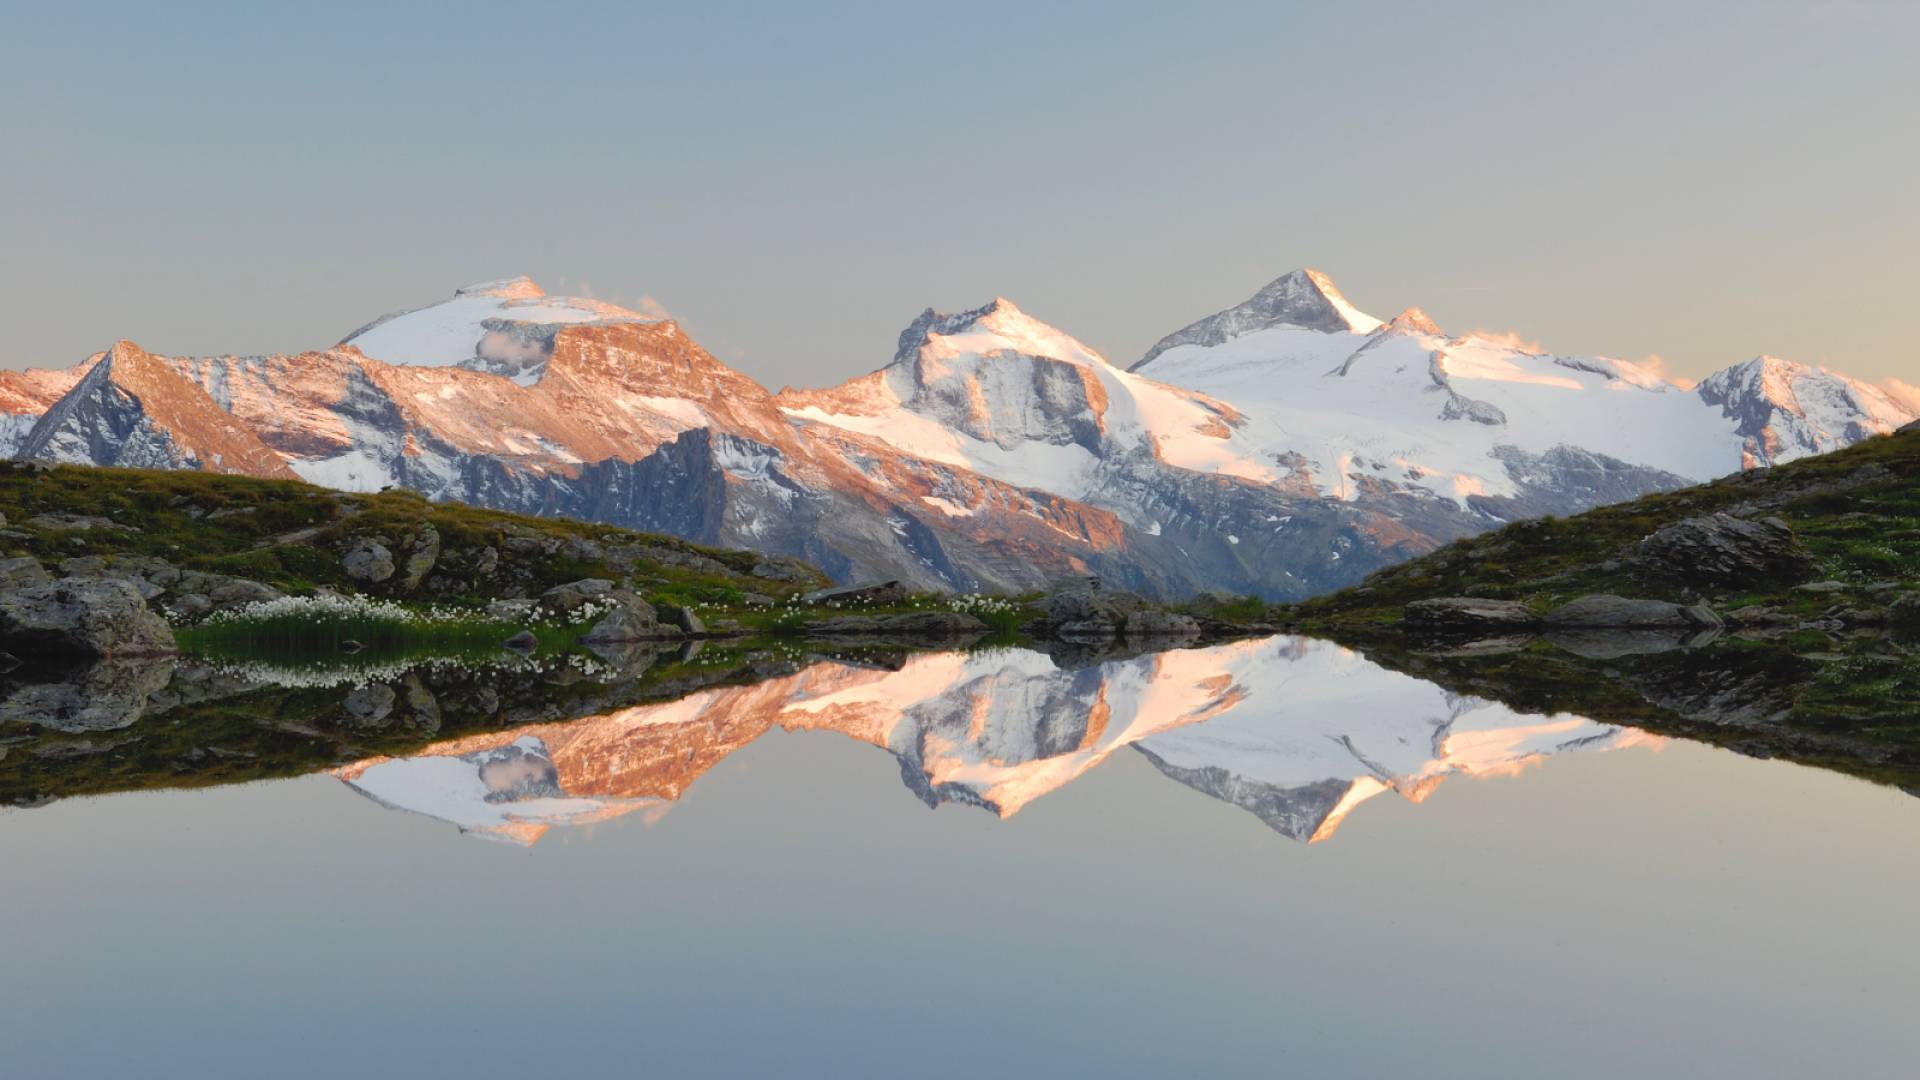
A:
(522, 642)
(1604, 611)
(629, 659)
(188, 606)
(368, 560)
(104, 696)
(1468, 615)
(21, 573)
(631, 619)
(226, 592)
(82, 617)
(1612, 644)
(1821, 587)
(1080, 608)
(1214, 600)
(370, 706)
(1153, 623)
(426, 707)
(1720, 549)
(574, 595)
(1705, 617)
(684, 618)
(426, 549)
(792, 571)
(866, 594)
(75, 523)
(511, 610)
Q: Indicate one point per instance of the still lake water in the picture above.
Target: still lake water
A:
(1267, 857)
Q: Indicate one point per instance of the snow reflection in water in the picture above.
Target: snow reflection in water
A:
(1296, 731)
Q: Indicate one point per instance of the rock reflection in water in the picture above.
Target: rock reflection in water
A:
(1294, 730)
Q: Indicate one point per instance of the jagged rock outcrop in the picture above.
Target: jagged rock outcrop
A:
(1723, 550)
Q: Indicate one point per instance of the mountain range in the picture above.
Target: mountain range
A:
(1284, 446)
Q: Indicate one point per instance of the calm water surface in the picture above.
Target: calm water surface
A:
(1267, 857)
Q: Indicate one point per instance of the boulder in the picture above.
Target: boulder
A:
(523, 642)
(21, 573)
(1604, 611)
(103, 696)
(82, 617)
(1615, 643)
(187, 606)
(426, 549)
(630, 618)
(510, 610)
(684, 618)
(367, 560)
(867, 594)
(1150, 622)
(574, 595)
(1468, 615)
(229, 592)
(1723, 550)
(624, 659)
(1081, 608)
(780, 568)
(370, 706)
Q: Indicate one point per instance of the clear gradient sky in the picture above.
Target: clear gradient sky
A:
(1701, 181)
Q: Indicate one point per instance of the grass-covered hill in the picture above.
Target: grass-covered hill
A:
(1853, 513)
(199, 543)
(292, 537)
(1816, 657)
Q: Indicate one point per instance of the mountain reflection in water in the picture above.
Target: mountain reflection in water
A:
(1296, 731)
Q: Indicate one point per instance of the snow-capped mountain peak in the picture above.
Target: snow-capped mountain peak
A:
(515, 288)
(1410, 322)
(995, 329)
(1304, 298)
(502, 327)
(1783, 410)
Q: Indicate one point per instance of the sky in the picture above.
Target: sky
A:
(1700, 182)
